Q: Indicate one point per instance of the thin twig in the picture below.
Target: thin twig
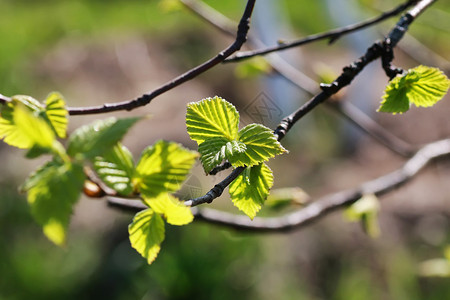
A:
(349, 73)
(333, 35)
(349, 111)
(217, 190)
(222, 23)
(319, 208)
(241, 37)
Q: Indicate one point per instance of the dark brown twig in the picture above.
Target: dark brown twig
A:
(347, 110)
(320, 207)
(349, 73)
(332, 35)
(241, 37)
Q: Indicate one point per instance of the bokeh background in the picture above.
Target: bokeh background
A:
(97, 51)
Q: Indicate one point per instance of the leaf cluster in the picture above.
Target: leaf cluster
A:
(54, 188)
(214, 124)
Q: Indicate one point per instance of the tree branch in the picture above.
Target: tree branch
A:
(241, 37)
(217, 190)
(333, 35)
(349, 111)
(349, 73)
(319, 208)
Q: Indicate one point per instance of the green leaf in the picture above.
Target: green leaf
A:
(280, 198)
(55, 109)
(147, 233)
(162, 168)
(175, 212)
(260, 143)
(52, 191)
(365, 210)
(250, 189)
(116, 168)
(212, 117)
(96, 138)
(32, 130)
(423, 86)
(37, 151)
(253, 68)
(214, 150)
(8, 128)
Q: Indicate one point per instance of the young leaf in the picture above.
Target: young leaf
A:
(280, 198)
(8, 128)
(214, 150)
(36, 151)
(96, 138)
(365, 210)
(55, 109)
(253, 68)
(28, 101)
(423, 86)
(175, 212)
(116, 168)
(212, 117)
(32, 130)
(250, 189)
(147, 233)
(163, 168)
(52, 191)
(260, 143)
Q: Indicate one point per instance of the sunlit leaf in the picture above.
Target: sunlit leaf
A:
(423, 86)
(147, 233)
(52, 191)
(31, 129)
(253, 68)
(94, 139)
(162, 168)
(55, 109)
(214, 150)
(250, 189)
(37, 151)
(212, 117)
(116, 168)
(175, 212)
(260, 143)
(283, 197)
(365, 210)
(8, 128)
(28, 101)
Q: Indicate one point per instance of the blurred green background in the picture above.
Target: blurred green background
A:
(76, 47)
